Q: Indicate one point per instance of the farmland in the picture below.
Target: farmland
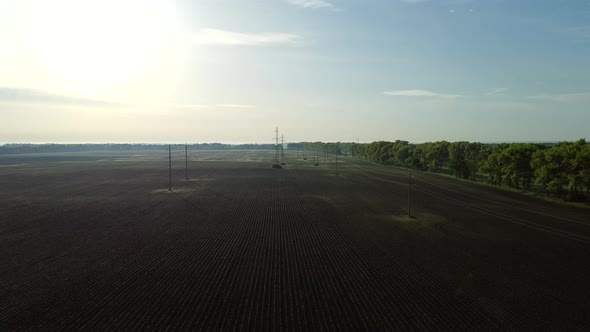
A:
(96, 241)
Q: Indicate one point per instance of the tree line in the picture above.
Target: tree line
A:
(561, 170)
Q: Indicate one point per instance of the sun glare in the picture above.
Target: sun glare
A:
(95, 44)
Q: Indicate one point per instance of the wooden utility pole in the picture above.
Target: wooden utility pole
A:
(409, 194)
(186, 161)
(169, 167)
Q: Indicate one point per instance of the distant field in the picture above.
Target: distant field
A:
(96, 241)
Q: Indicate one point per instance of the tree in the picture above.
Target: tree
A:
(554, 168)
(457, 162)
(517, 170)
(436, 155)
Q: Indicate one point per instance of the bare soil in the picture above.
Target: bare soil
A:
(96, 241)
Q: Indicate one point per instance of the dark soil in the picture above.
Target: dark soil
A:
(97, 242)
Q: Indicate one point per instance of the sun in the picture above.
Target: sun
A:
(94, 44)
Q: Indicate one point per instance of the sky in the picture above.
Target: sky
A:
(332, 70)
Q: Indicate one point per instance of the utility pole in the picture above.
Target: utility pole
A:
(186, 161)
(277, 145)
(169, 167)
(409, 193)
(336, 162)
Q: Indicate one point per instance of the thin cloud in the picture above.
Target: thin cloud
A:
(223, 37)
(312, 3)
(173, 105)
(413, 1)
(420, 94)
(235, 106)
(28, 95)
(563, 97)
(496, 91)
(198, 106)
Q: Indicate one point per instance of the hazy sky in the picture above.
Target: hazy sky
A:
(232, 70)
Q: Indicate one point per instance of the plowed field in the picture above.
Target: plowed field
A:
(96, 241)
